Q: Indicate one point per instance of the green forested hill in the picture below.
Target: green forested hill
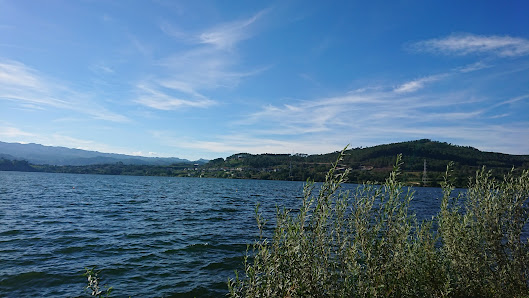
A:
(437, 155)
(15, 165)
(372, 163)
(365, 164)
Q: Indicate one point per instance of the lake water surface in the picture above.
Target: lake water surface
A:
(151, 236)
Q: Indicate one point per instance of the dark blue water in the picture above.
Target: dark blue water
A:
(151, 236)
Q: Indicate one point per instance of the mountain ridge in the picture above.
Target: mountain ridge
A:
(424, 163)
(63, 156)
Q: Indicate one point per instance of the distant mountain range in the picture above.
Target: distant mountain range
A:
(424, 160)
(49, 155)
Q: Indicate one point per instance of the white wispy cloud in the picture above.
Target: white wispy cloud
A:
(27, 87)
(184, 87)
(240, 142)
(417, 84)
(210, 61)
(512, 140)
(387, 113)
(473, 67)
(513, 100)
(395, 112)
(370, 107)
(203, 68)
(173, 31)
(9, 132)
(365, 116)
(226, 36)
(17, 74)
(466, 44)
(152, 97)
(102, 69)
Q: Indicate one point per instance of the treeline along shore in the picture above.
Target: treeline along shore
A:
(424, 164)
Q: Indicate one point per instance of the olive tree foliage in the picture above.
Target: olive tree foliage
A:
(368, 243)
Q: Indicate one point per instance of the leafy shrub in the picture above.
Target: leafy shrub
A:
(93, 286)
(482, 241)
(367, 243)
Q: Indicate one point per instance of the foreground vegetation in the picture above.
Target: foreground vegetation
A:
(367, 243)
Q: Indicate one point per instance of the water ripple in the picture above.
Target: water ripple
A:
(150, 236)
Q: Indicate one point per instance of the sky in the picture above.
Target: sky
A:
(208, 79)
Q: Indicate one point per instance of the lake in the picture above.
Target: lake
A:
(151, 236)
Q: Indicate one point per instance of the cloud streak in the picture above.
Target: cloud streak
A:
(356, 111)
(468, 44)
(226, 36)
(246, 143)
(9, 132)
(151, 97)
(417, 84)
(409, 111)
(418, 108)
(27, 87)
(209, 63)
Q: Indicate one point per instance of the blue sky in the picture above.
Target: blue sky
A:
(206, 79)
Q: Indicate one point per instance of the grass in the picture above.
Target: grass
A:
(368, 243)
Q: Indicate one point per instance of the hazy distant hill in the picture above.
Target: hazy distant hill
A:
(39, 154)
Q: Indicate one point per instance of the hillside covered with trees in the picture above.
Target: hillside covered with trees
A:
(370, 164)
(365, 164)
